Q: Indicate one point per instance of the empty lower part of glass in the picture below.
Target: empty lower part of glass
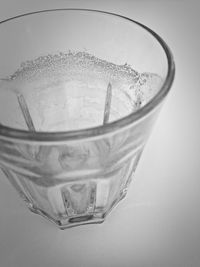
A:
(72, 185)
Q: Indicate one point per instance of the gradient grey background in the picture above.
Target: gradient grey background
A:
(158, 224)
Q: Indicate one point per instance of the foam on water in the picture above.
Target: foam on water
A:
(67, 91)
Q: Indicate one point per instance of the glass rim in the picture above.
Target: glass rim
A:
(134, 117)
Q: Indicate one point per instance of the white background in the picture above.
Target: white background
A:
(158, 224)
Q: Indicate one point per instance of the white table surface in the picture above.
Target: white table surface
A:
(158, 224)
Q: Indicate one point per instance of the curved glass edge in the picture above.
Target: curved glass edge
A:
(11, 133)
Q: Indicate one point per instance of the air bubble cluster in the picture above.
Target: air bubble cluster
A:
(64, 67)
(70, 61)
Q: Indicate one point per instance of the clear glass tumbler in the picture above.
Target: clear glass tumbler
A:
(79, 93)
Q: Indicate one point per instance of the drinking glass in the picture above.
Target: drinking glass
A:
(79, 93)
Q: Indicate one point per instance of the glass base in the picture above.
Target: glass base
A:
(65, 223)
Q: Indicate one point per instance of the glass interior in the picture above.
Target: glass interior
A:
(70, 70)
